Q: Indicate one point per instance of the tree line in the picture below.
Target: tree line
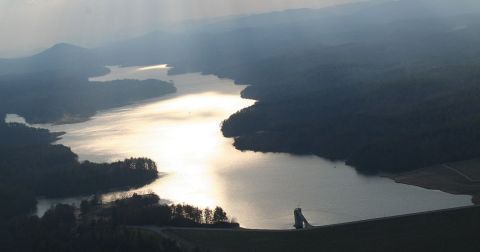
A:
(146, 210)
(107, 226)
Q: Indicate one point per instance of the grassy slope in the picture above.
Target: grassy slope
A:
(449, 230)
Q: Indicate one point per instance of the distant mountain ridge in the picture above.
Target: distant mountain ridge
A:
(331, 24)
(194, 43)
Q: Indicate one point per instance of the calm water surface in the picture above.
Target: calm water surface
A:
(181, 132)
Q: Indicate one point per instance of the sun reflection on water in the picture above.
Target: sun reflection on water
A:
(181, 133)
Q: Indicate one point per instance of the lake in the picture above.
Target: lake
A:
(181, 132)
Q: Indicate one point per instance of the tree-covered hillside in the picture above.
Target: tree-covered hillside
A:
(30, 167)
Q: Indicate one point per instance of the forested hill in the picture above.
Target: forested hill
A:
(48, 98)
(407, 100)
(385, 85)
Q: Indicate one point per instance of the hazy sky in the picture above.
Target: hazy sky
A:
(30, 25)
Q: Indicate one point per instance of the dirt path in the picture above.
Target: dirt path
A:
(461, 173)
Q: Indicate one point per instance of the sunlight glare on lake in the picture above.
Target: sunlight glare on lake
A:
(180, 132)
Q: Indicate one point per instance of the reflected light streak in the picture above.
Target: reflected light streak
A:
(162, 66)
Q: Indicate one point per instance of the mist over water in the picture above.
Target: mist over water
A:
(181, 132)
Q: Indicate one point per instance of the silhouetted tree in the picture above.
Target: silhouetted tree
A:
(219, 215)
(178, 212)
(208, 216)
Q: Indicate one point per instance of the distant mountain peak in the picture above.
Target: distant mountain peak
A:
(63, 48)
(62, 57)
